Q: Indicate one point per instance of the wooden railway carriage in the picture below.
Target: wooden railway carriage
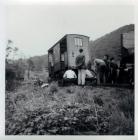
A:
(127, 43)
(63, 54)
(127, 40)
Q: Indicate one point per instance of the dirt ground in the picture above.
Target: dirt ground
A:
(72, 110)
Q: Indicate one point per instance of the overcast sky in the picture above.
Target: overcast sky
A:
(35, 28)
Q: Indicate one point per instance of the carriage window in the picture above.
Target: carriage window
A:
(62, 57)
(78, 41)
(51, 59)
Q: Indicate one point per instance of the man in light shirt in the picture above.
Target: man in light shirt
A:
(90, 75)
(69, 77)
(100, 68)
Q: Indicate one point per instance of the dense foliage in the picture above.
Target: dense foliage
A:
(69, 111)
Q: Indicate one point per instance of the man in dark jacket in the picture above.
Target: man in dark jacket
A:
(107, 70)
(80, 64)
(113, 70)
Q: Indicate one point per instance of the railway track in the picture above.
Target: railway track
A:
(104, 85)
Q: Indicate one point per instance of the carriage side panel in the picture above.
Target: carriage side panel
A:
(73, 48)
(56, 53)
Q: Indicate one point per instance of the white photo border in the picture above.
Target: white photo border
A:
(2, 66)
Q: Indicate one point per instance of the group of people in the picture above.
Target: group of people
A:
(106, 69)
(82, 73)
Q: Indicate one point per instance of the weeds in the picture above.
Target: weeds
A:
(126, 105)
(69, 111)
(53, 88)
(120, 124)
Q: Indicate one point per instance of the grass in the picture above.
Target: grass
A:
(70, 110)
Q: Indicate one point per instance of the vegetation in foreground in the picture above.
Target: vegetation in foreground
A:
(73, 110)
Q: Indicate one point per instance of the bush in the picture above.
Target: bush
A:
(98, 100)
(126, 105)
(120, 124)
(71, 89)
(39, 111)
(53, 87)
(12, 85)
(83, 96)
(69, 120)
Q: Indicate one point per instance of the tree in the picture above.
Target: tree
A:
(11, 51)
(14, 68)
(8, 50)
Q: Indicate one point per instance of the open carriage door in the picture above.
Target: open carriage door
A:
(63, 51)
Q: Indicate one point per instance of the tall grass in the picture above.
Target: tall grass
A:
(69, 110)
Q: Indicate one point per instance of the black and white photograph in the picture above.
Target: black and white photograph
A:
(69, 69)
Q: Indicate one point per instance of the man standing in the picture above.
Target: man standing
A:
(107, 70)
(113, 68)
(80, 64)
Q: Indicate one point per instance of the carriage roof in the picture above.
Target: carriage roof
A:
(64, 38)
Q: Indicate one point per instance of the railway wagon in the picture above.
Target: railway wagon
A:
(63, 54)
(127, 43)
(127, 61)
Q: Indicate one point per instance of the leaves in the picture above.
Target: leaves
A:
(55, 114)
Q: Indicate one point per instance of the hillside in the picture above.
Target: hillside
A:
(40, 62)
(109, 44)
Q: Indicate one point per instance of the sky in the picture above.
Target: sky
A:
(36, 28)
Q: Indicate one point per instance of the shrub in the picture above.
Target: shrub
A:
(53, 87)
(12, 85)
(69, 120)
(83, 96)
(98, 100)
(71, 89)
(126, 105)
(120, 124)
(39, 111)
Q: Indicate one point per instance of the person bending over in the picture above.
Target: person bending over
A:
(100, 68)
(69, 77)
